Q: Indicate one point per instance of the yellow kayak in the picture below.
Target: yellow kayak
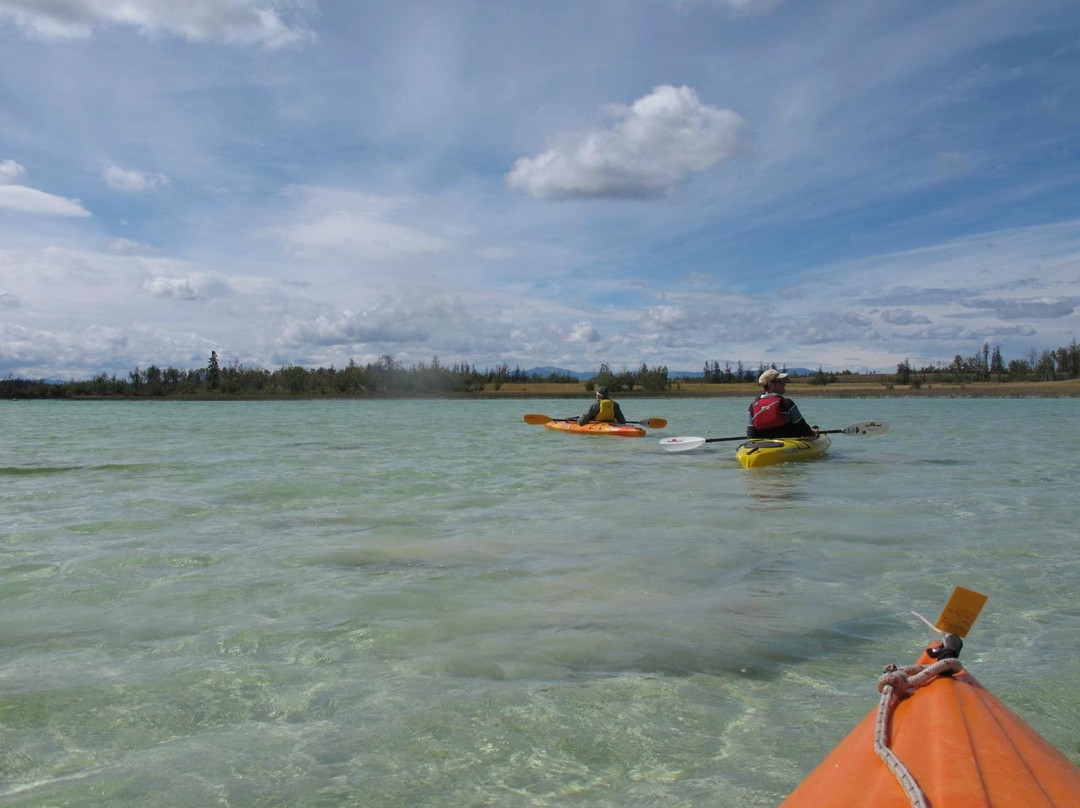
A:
(770, 451)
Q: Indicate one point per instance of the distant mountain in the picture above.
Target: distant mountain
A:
(544, 372)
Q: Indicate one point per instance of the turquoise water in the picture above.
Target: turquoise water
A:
(355, 603)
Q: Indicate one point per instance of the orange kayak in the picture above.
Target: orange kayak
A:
(960, 746)
(597, 428)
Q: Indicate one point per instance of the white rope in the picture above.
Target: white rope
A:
(898, 683)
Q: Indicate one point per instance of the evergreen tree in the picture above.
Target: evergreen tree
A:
(997, 366)
(213, 371)
(903, 373)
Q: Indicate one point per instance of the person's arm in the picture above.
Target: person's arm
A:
(619, 418)
(799, 427)
(590, 414)
(751, 432)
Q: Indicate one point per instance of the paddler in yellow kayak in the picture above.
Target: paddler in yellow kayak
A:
(603, 409)
(773, 415)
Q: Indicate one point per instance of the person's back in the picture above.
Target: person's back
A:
(603, 409)
(772, 414)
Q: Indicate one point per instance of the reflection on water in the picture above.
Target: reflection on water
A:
(780, 486)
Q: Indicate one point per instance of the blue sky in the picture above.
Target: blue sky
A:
(834, 183)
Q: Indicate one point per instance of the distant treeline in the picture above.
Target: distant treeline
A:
(385, 377)
(987, 365)
(389, 377)
(714, 374)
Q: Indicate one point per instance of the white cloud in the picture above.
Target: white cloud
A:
(904, 317)
(331, 223)
(666, 316)
(739, 7)
(242, 22)
(584, 332)
(828, 327)
(361, 236)
(651, 146)
(10, 171)
(411, 327)
(131, 180)
(29, 200)
(348, 328)
(124, 246)
(970, 336)
(60, 352)
(429, 245)
(82, 351)
(190, 287)
(1044, 308)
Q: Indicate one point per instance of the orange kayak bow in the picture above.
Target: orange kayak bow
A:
(956, 746)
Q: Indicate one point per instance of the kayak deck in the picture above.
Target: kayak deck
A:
(597, 428)
(770, 451)
(962, 747)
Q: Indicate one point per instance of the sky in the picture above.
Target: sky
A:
(837, 184)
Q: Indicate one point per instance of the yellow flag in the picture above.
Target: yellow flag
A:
(961, 611)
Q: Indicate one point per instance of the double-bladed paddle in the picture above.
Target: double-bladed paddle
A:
(651, 423)
(861, 428)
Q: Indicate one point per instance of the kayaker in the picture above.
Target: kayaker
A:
(772, 414)
(603, 409)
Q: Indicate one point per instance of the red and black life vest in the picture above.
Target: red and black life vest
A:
(766, 412)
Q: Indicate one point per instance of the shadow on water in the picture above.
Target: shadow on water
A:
(33, 471)
(590, 650)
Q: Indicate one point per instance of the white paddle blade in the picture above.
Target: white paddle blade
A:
(681, 444)
(867, 428)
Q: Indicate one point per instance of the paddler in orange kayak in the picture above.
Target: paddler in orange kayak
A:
(604, 408)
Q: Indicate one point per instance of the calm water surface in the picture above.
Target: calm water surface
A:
(386, 604)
